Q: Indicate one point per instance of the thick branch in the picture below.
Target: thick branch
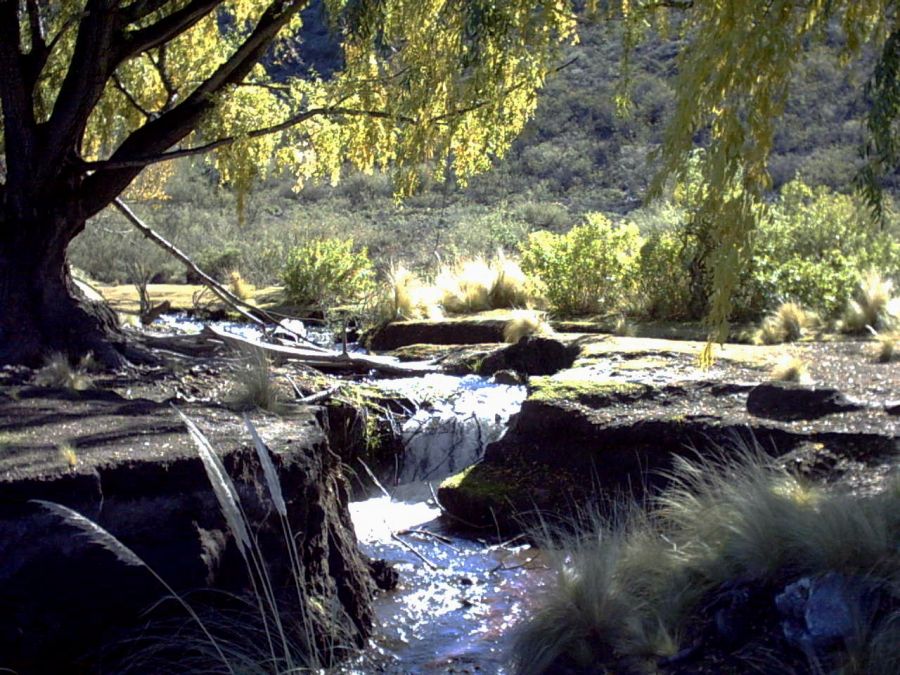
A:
(228, 140)
(168, 27)
(93, 61)
(158, 135)
(19, 128)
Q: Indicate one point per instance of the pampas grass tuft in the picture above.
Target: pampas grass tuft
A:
(525, 322)
(874, 305)
(787, 324)
(628, 590)
(59, 373)
(509, 289)
(791, 369)
(240, 286)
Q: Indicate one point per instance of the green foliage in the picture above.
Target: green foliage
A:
(812, 247)
(664, 279)
(219, 262)
(324, 272)
(593, 268)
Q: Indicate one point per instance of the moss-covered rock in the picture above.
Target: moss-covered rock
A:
(586, 391)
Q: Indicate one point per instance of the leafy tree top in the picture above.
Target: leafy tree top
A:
(107, 87)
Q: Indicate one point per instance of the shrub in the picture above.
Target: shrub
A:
(628, 591)
(218, 262)
(324, 272)
(593, 268)
(664, 282)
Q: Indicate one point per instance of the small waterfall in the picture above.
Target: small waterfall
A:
(455, 420)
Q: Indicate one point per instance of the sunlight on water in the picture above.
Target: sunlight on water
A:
(458, 598)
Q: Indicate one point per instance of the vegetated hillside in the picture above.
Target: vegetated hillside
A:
(577, 156)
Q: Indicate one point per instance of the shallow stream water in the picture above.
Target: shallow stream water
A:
(458, 598)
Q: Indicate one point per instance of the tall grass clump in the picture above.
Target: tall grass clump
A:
(409, 297)
(466, 286)
(874, 305)
(786, 324)
(644, 586)
(254, 386)
(525, 322)
(790, 369)
(510, 287)
(264, 635)
(59, 373)
(240, 286)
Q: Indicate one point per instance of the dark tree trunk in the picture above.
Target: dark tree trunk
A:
(41, 310)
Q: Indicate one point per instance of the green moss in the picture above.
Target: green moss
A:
(589, 392)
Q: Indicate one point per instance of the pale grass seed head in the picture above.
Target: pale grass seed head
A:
(874, 305)
(466, 286)
(254, 385)
(787, 324)
(523, 323)
(240, 286)
(59, 373)
(509, 289)
(791, 369)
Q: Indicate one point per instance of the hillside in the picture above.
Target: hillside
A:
(578, 155)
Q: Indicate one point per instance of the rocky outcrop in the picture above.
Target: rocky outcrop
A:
(437, 332)
(611, 427)
(129, 466)
(532, 355)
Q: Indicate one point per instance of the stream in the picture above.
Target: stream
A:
(458, 598)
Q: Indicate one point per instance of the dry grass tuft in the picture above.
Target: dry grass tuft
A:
(509, 289)
(254, 387)
(787, 324)
(410, 298)
(240, 286)
(626, 593)
(466, 286)
(525, 322)
(886, 350)
(874, 305)
(59, 373)
(791, 369)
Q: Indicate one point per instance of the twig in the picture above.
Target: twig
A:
(503, 568)
(412, 550)
(319, 396)
(374, 478)
(427, 533)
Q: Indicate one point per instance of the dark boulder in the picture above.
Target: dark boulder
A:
(532, 355)
(784, 401)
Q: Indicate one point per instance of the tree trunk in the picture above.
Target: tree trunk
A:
(41, 311)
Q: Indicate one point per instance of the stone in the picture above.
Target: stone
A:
(532, 355)
(132, 468)
(785, 401)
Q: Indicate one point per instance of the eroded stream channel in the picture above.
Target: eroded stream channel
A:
(457, 598)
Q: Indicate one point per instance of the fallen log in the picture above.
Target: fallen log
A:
(324, 360)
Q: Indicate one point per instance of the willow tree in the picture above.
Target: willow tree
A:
(95, 91)
(734, 73)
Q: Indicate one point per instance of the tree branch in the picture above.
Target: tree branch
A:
(228, 140)
(157, 135)
(131, 99)
(168, 27)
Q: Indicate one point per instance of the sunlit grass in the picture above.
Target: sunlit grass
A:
(630, 589)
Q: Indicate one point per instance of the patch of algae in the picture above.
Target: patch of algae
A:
(590, 392)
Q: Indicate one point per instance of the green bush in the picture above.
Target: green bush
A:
(664, 281)
(324, 272)
(812, 248)
(593, 268)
